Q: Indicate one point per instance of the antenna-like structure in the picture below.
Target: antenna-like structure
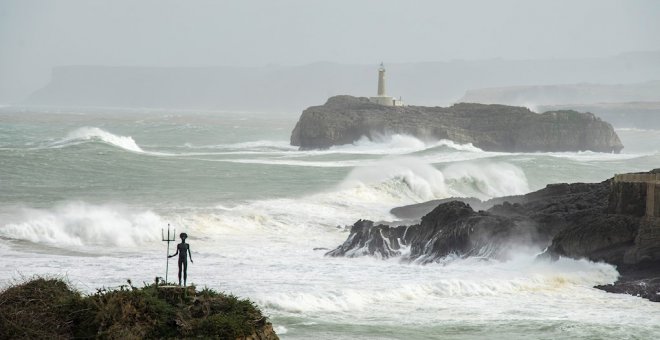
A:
(167, 239)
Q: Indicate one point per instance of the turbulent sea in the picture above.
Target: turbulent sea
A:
(84, 195)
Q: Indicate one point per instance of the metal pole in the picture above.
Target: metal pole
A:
(167, 255)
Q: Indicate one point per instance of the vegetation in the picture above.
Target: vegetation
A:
(49, 308)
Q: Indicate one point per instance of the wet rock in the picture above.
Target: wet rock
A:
(641, 280)
(452, 227)
(596, 221)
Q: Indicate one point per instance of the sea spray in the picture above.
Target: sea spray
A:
(82, 224)
(418, 181)
(366, 192)
(485, 180)
(459, 281)
(396, 144)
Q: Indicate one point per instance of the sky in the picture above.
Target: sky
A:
(36, 36)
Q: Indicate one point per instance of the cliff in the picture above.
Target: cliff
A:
(346, 119)
(599, 221)
(282, 88)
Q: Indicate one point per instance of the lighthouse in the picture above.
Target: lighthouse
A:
(381, 81)
(382, 98)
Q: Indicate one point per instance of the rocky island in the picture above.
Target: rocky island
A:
(616, 221)
(345, 119)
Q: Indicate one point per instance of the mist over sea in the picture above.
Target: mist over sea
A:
(84, 194)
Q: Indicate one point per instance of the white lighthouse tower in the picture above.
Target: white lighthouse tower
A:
(382, 98)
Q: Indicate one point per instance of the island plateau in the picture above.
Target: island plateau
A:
(346, 119)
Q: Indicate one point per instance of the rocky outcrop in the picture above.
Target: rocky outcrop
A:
(454, 227)
(599, 221)
(642, 281)
(450, 228)
(346, 119)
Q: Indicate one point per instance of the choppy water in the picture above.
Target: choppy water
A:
(85, 195)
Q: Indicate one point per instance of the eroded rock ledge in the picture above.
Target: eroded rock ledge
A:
(346, 119)
(599, 221)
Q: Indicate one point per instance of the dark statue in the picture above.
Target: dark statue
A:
(183, 249)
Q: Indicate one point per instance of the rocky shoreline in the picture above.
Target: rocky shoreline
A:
(604, 222)
(346, 119)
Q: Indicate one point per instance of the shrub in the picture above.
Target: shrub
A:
(49, 308)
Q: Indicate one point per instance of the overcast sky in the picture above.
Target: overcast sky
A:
(37, 35)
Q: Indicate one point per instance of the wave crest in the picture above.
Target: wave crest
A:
(418, 181)
(97, 134)
(398, 144)
(82, 224)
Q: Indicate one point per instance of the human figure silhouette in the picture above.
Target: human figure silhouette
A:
(183, 249)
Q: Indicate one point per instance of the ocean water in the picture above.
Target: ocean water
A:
(85, 194)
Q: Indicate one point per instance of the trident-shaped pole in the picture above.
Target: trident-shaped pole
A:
(169, 239)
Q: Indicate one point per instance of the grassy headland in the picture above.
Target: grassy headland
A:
(49, 308)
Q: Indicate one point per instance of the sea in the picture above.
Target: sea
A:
(87, 194)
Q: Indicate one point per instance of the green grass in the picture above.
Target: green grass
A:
(50, 308)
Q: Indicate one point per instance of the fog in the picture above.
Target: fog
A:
(38, 36)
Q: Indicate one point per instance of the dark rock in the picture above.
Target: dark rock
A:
(455, 228)
(642, 280)
(367, 239)
(451, 227)
(627, 198)
(598, 221)
(598, 237)
(551, 202)
(562, 216)
(416, 211)
(346, 119)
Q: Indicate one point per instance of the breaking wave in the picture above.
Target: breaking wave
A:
(398, 144)
(82, 224)
(418, 181)
(96, 134)
(367, 192)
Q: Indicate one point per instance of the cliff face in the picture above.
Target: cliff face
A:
(345, 119)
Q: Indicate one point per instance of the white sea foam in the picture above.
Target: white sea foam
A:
(486, 180)
(460, 283)
(252, 146)
(82, 224)
(417, 181)
(590, 156)
(397, 144)
(366, 192)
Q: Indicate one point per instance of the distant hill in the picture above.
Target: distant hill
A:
(641, 115)
(565, 94)
(284, 88)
